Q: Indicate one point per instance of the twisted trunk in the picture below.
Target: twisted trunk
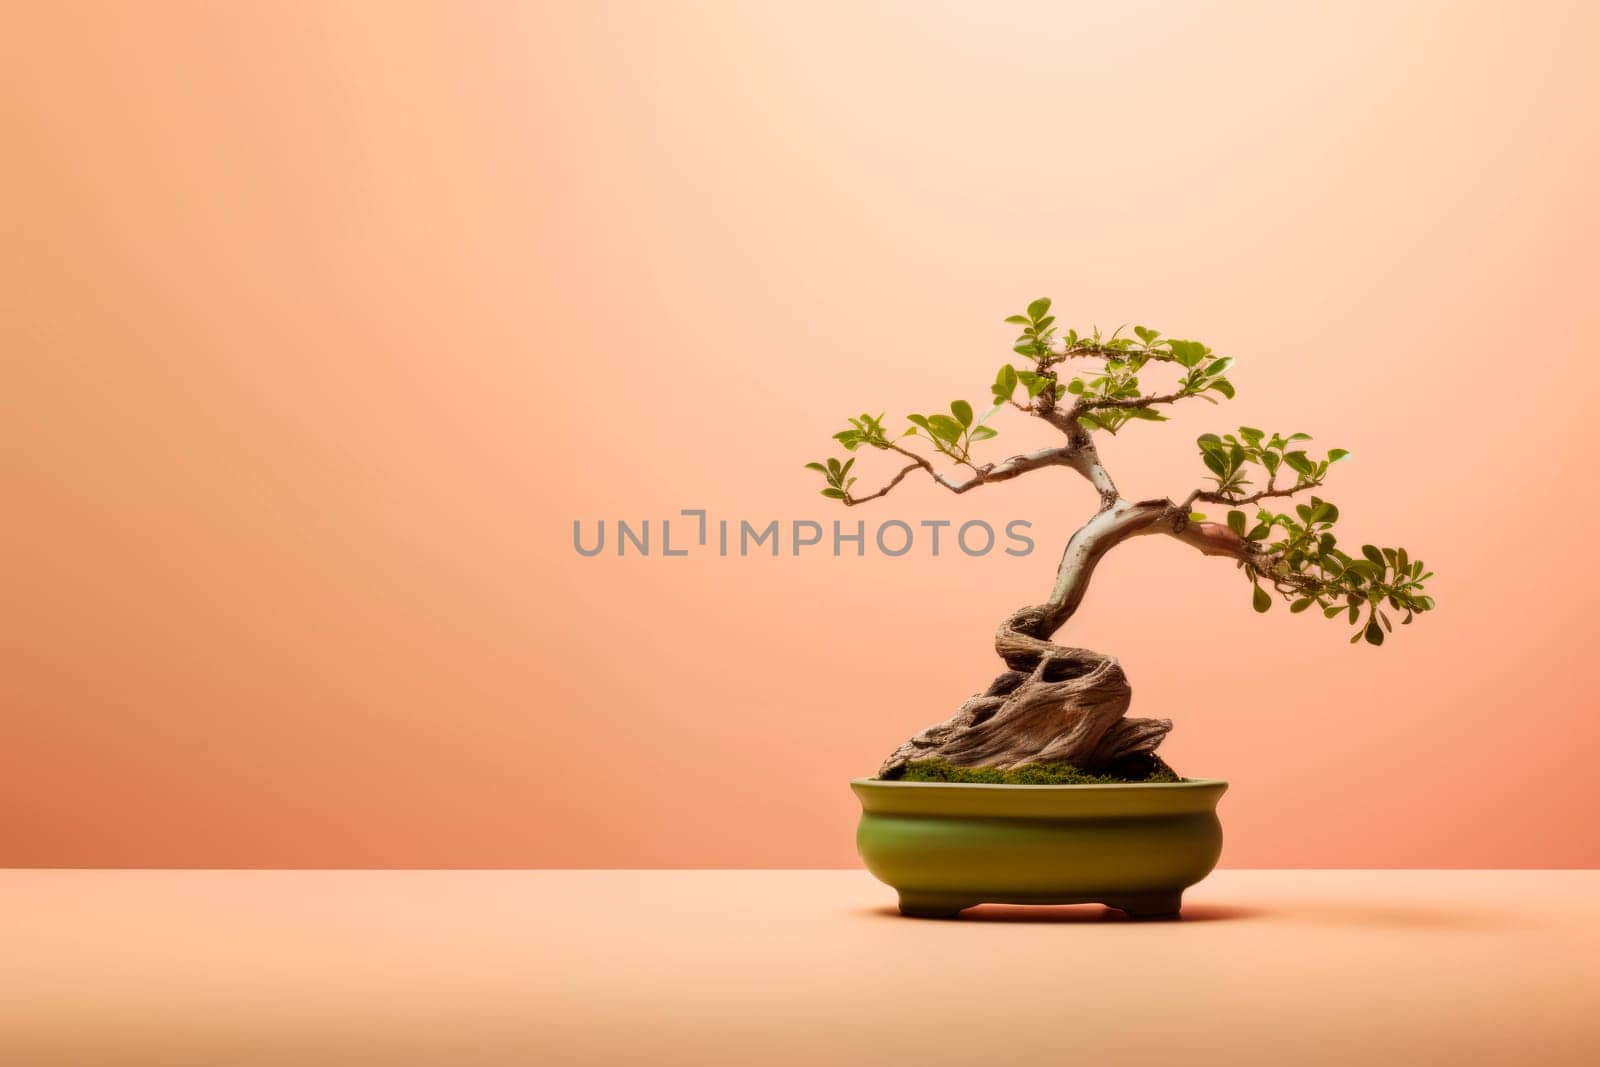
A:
(1054, 703)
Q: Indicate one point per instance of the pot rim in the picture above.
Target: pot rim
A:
(993, 800)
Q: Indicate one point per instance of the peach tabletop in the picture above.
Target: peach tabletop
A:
(323, 322)
(492, 968)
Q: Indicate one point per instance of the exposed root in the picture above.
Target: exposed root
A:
(1055, 704)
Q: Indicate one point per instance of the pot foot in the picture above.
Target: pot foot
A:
(1149, 906)
(932, 906)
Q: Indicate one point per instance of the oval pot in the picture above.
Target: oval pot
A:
(1134, 846)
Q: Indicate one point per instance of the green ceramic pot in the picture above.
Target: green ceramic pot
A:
(1134, 846)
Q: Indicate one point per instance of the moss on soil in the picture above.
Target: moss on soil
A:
(1148, 769)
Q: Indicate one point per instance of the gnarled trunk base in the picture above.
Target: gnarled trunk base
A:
(1055, 704)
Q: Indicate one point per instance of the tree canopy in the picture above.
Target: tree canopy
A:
(1084, 384)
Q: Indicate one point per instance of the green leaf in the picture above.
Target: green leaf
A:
(833, 468)
(1302, 604)
(1251, 435)
(1020, 320)
(1236, 521)
(1148, 414)
(1299, 461)
(1187, 353)
(983, 433)
(1146, 335)
(1366, 569)
(1197, 516)
(945, 427)
(962, 411)
(1372, 553)
(1260, 600)
(1216, 464)
(819, 468)
(1037, 309)
(1374, 632)
(1005, 384)
(1336, 454)
(833, 494)
(1223, 386)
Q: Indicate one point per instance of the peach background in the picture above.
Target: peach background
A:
(322, 322)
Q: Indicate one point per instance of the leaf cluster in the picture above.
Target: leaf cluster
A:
(837, 475)
(1294, 553)
(867, 430)
(1229, 457)
(1299, 556)
(953, 434)
(1009, 377)
(1037, 339)
(1106, 398)
(1111, 396)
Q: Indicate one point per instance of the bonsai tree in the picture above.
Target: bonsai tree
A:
(1059, 713)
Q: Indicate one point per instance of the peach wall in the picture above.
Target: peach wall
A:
(322, 322)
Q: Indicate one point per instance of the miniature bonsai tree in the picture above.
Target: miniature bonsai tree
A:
(1059, 713)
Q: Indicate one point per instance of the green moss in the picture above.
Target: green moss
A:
(1151, 769)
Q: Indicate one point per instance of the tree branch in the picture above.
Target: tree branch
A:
(1099, 404)
(1223, 498)
(993, 472)
(1085, 457)
(1090, 350)
(1217, 539)
(1211, 538)
(896, 480)
(1112, 527)
(1085, 549)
